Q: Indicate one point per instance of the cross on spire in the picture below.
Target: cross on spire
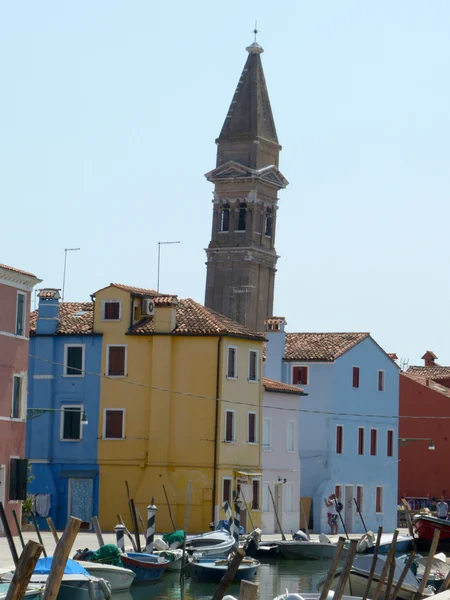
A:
(256, 30)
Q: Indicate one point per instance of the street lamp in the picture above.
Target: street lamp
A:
(159, 259)
(404, 441)
(66, 250)
(33, 413)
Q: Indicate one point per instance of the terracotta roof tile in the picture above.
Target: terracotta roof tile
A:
(432, 372)
(429, 354)
(270, 385)
(392, 355)
(274, 320)
(320, 346)
(166, 300)
(75, 318)
(136, 290)
(17, 271)
(49, 293)
(427, 382)
(194, 319)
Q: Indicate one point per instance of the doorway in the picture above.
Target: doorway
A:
(348, 508)
(278, 497)
(81, 500)
(2, 489)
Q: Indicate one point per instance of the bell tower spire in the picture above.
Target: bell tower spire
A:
(241, 256)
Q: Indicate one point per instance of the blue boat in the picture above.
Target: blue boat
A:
(147, 567)
(213, 569)
(404, 544)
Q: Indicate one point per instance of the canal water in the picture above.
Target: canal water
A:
(273, 578)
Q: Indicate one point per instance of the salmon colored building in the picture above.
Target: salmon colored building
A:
(423, 474)
(15, 297)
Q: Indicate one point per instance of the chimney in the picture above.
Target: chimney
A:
(429, 358)
(48, 311)
(165, 319)
(275, 345)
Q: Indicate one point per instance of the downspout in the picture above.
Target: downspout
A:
(216, 428)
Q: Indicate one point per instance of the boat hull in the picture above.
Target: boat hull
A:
(30, 594)
(306, 550)
(425, 527)
(401, 546)
(144, 567)
(209, 571)
(119, 579)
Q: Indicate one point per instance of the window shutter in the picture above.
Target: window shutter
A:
(20, 314)
(231, 362)
(255, 499)
(74, 360)
(339, 432)
(114, 424)
(304, 375)
(116, 362)
(229, 427)
(21, 478)
(356, 377)
(390, 443)
(373, 442)
(13, 479)
(252, 428)
(380, 381)
(296, 375)
(112, 310)
(252, 366)
(361, 441)
(17, 392)
(226, 491)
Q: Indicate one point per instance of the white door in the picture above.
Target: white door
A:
(2, 489)
(348, 508)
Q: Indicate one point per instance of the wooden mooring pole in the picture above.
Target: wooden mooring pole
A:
(60, 557)
(24, 571)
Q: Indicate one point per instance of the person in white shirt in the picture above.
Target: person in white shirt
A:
(332, 513)
(442, 509)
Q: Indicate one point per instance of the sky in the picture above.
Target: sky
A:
(108, 117)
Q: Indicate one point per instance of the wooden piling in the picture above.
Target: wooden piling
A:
(248, 590)
(407, 509)
(52, 528)
(170, 510)
(19, 531)
(445, 584)
(60, 557)
(390, 579)
(229, 574)
(332, 570)
(346, 570)
(134, 521)
(387, 564)
(24, 571)
(98, 532)
(433, 548)
(38, 533)
(8, 534)
(374, 563)
(403, 575)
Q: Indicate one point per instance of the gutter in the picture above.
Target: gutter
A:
(216, 427)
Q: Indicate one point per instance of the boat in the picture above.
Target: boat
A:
(119, 578)
(213, 543)
(174, 557)
(367, 543)
(359, 576)
(304, 549)
(439, 569)
(213, 569)
(32, 593)
(425, 526)
(147, 567)
(312, 596)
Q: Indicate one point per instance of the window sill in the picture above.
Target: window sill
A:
(64, 440)
(229, 441)
(116, 376)
(240, 230)
(232, 378)
(16, 419)
(111, 439)
(291, 451)
(267, 449)
(223, 231)
(76, 376)
(13, 501)
(110, 320)
(253, 380)
(253, 443)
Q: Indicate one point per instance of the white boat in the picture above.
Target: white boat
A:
(120, 579)
(307, 549)
(174, 557)
(312, 596)
(213, 543)
(359, 576)
(32, 593)
(73, 587)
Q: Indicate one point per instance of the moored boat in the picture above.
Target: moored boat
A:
(211, 569)
(425, 526)
(32, 593)
(306, 550)
(119, 578)
(147, 567)
(173, 556)
(367, 543)
(213, 543)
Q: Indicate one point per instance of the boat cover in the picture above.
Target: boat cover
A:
(44, 565)
(177, 537)
(109, 554)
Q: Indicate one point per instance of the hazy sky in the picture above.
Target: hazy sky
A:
(108, 115)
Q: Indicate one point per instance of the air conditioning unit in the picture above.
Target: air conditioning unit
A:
(148, 307)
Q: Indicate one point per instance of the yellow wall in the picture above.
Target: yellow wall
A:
(169, 437)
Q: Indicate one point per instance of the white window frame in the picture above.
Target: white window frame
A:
(24, 319)
(66, 348)
(256, 366)
(393, 442)
(61, 423)
(265, 447)
(233, 440)
(381, 487)
(361, 508)
(364, 442)
(110, 439)
(384, 379)
(230, 479)
(289, 450)
(125, 369)
(252, 412)
(289, 485)
(336, 439)
(235, 362)
(307, 373)
(266, 495)
(22, 400)
(104, 302)
(376, 442)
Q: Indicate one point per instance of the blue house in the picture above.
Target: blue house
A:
(64, 393)
(347, 425)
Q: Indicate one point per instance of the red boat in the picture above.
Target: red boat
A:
(425, 527)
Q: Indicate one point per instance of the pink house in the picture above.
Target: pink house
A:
(15, 298)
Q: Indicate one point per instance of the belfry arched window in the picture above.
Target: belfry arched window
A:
(268, 227)
(225, 218)
(242, 216)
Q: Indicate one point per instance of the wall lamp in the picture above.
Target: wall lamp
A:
(282, 479)
(33, 413)
(404, 441)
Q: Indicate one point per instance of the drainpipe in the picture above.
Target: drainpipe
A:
(216, 427)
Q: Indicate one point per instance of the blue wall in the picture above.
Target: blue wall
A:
(53, 461)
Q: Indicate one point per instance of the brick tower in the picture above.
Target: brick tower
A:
(241, 256)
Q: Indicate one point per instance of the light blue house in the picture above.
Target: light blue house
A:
(347, 425)
(64, 392)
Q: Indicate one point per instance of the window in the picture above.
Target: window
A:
(255, 499)
(229, 426)
(265, 498)
(74, 360)
(17, 397)
(232, 362)
(290, 438)
(225, 218)
(114, 424)
(226, 490)
(18, 478)
(289, 497)
(253, 365)
(381, 381)
(242, 217)
(300, 375)
(267, 434)
(338, 491)
(379, 499)
(360, 441)
(252, 428)
(111, 310)
(339, 438)
(373, 442)
(356, 377)
(269, 222)
(71, 423)
(116, 361)
(390, 442)
(360, 498)
(20, 313)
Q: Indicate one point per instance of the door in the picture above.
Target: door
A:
(2, 489)
(278, 497)
(81, 500)
(348, 508)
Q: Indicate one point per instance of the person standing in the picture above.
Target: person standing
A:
(442, 509)
(332, 513)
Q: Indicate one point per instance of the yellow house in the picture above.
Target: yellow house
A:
(180, 401)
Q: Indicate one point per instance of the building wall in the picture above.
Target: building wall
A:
(279, 464)
(419, 469)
